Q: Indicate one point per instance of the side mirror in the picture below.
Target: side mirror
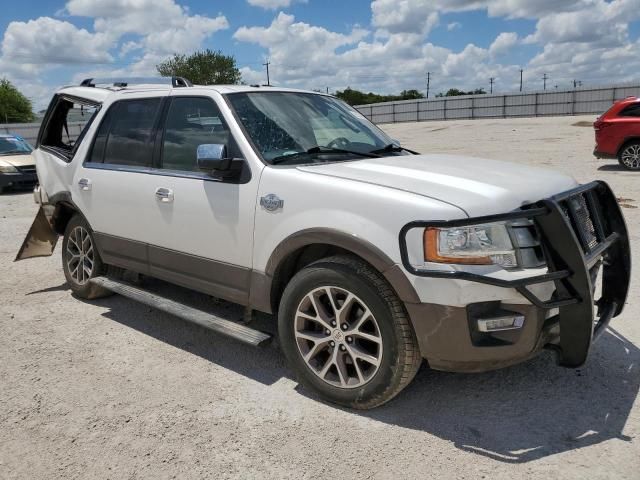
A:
(213, 157)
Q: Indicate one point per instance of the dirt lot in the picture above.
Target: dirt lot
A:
(113, 389)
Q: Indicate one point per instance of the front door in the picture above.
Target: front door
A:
(201, 235)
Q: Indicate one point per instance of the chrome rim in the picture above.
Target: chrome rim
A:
(631, 156)
(338, 337)
(80, 255)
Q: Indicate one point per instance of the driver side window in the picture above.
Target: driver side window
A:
(191, 122)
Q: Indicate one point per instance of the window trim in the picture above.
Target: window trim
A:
(53, 105)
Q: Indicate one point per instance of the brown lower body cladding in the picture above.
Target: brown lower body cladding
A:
(449, 340)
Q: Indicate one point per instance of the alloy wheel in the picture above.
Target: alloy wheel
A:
(631, 157)
(80, 255)
(338, 337)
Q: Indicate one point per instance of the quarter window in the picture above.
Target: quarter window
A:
(67, 123)
(126, 134)
(192, 122)
(631, 111)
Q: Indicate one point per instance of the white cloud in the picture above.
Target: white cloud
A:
(49, 41)
(503, 43)
(453, 26)
(271, 4)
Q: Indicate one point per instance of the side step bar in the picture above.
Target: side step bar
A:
(231, 329)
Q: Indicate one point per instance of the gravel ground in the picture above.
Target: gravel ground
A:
(113, 389)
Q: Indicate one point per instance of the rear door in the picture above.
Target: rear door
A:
(114, 186)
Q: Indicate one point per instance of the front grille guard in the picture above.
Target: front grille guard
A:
(572, 259)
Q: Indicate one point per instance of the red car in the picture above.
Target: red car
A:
(618, 133)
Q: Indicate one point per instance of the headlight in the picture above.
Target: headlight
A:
(8, 169)
(487, 244)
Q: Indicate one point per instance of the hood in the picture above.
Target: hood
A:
(477, 186)
(18, 160)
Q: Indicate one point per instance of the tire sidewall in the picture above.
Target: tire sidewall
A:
(631, 169)
(337, 275)
(88, 289)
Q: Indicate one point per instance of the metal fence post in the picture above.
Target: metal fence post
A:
(504, 106)
(445, 109)
(536, 106)
(393, 107)
(417, 111)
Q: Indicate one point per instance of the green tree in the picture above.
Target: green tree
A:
(14, 106)
(356, 97)
(454, 92)
(206, 67)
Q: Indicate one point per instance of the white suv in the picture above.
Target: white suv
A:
(290, 202)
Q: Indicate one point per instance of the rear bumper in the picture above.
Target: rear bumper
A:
(18, 180)
(569, 321)
(604, 155)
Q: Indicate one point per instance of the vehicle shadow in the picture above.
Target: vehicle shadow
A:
(514, 415)
(612, 167)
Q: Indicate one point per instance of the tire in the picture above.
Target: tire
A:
(629, 156)
(78, 251)
(374, 355)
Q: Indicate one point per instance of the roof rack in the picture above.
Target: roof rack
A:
(175, 82)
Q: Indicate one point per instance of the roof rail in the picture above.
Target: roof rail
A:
(126, 82)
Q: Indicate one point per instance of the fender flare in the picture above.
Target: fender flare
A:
(262, 284)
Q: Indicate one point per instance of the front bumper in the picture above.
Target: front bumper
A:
(20, 180)
(582, 231)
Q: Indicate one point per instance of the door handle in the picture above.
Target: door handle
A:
(84, 184)
(164, 195)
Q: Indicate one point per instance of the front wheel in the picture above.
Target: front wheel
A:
(629, 156)
(346, 334)
(80, 259)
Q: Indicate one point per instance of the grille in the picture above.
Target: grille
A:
(577, 211)
(28, 169)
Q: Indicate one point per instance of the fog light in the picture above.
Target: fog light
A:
(510, 322)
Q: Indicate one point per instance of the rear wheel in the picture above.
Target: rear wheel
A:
(629, 156)
(80, 259)
(346, 334)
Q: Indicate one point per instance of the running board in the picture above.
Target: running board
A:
(231, 329)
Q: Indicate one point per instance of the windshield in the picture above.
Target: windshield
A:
(283, 124)
(14, 146)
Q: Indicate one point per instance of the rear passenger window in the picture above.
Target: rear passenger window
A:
(631, 111)
(125, 136)
(191, 122)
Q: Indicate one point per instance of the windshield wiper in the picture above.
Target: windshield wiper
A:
(320, 149)
(392, 147)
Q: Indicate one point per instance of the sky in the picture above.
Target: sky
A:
(383, 46)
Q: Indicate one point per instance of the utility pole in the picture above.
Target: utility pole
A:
(267, 65)
(327, 90)
(545, 77)
(577, 83)
(521, 70)
(428, 83)
(491, 81)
